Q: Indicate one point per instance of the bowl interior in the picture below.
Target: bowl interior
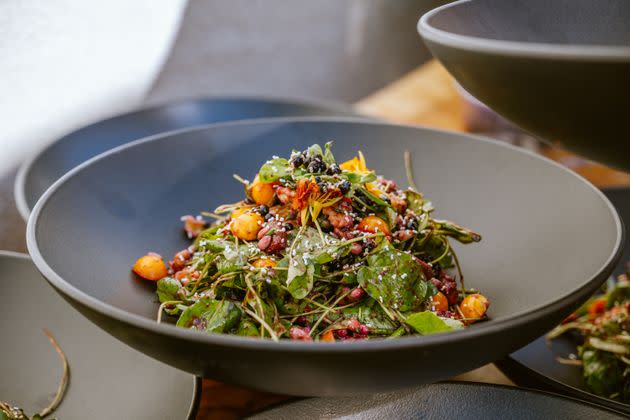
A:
(546, 231)
(562, 22)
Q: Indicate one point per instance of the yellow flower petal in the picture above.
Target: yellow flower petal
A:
(351, 165)
(373, 189)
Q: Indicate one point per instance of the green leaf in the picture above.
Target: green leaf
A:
(619, 294)
(207, 235)
(395, 280)
(213, 245)
(274, 169)
(234, 258)
(391, 216)
(602, 371)
(307, 253)
(457, 232)
(376, 200)
(213, 316)
(167, 289)
(314, 150)
(426, 323)
(328, 158)
(356, 178)
(247, 328)
(415, 201)
(371, 314)
(300, 281)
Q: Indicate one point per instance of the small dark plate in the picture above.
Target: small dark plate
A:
(447, 400)
(48, 165)
(107, 378)
(535, 365)
(540, 257)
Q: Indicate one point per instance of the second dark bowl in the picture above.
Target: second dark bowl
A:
(559, 69)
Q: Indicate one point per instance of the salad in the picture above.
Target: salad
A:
(602, 326)
(318, 251)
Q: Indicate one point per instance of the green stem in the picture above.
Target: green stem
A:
(446, 250)
(327, 311)
(164, 305)
(409, 171)
(262, 323)
(399, 332)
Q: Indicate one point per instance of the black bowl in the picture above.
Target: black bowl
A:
(559, 69)
(448, 400)
(47, 165)
(550, 239)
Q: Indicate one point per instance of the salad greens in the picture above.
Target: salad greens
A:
(603, 327)
(318, 251)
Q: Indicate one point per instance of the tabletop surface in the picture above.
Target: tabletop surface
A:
(426, 96)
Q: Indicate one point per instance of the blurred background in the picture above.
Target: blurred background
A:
(67, 63)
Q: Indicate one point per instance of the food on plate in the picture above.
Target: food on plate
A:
(602, 326)
(318, 251)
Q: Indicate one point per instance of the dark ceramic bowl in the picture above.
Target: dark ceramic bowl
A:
(448, 400)
(559, 69)
(550, 239)
(46, 166)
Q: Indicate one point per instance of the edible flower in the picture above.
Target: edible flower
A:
(309, 199)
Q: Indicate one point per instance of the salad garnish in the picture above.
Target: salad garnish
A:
(602, 327)
(318, 251)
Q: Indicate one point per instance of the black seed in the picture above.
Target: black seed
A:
(344, 187)
(333, 170)
(316, 166)
(262, 210)
(288, 227)
(297, 160)
(249, 201)
(269, 216)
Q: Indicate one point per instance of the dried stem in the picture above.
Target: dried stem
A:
(63, 384)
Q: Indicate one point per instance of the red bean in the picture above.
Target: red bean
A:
(356, 294)
(352, 324)
(341, 334)
(264, 243)
(297, 333)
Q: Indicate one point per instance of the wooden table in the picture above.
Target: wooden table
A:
(426, 96)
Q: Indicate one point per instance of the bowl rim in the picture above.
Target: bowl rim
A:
(582, 290)
(19, 185)
(581, 52)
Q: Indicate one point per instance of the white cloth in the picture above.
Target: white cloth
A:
(64, 63)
